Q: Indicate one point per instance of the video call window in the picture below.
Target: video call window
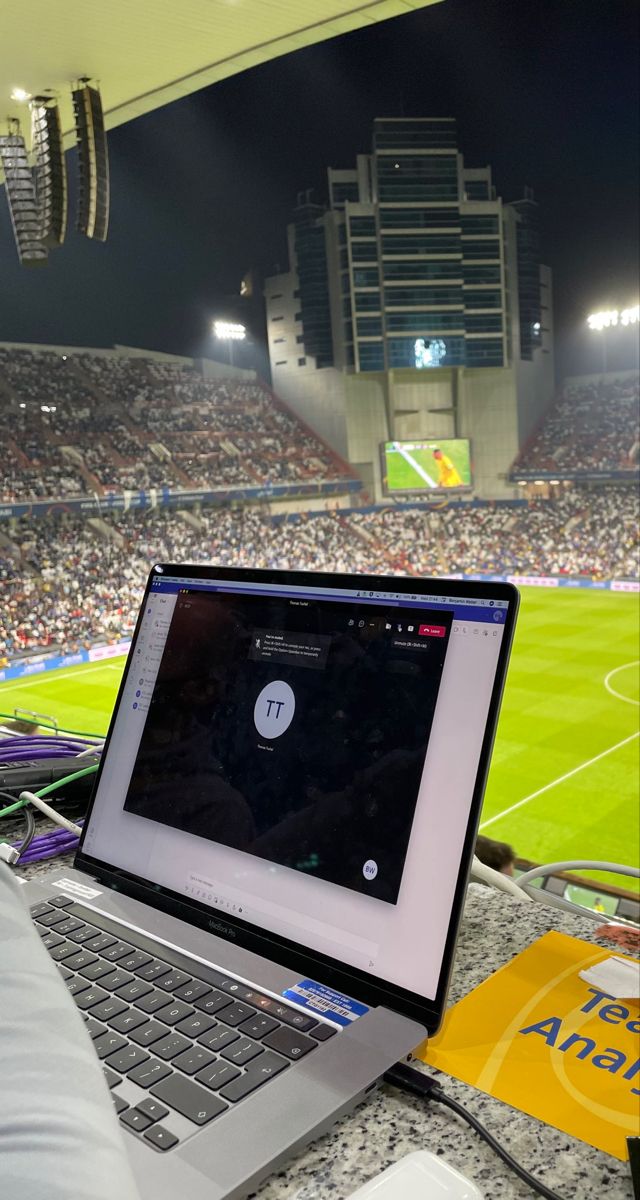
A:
(295, 730)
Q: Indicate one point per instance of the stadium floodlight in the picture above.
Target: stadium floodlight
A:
(229, 331)
(19, 95)
(609, 318)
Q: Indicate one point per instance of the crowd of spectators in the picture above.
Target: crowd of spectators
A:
(68, 582)
(135, 423)
(591, 427)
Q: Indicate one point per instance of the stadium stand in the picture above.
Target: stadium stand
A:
(69, 582)
(590, 427)
(82, 424)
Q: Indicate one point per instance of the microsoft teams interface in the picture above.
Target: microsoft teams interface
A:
(304, 758)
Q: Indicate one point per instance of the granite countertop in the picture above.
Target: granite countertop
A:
(494, 929)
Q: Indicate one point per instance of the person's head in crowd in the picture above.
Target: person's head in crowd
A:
(499, 855)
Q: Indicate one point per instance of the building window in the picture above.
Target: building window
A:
(297, 316)
(276, 296)
(282, 363)
(281, 318)
(277, 341)
(302, 362)
(300, 338)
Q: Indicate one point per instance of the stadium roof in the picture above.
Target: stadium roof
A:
(147, 53)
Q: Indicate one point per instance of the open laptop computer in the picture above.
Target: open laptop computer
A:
(265, 900)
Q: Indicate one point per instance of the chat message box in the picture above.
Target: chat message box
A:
(293, 649)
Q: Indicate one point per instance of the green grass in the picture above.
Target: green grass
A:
(557, 715)
(402, 476)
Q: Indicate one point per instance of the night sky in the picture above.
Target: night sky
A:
(544, 91)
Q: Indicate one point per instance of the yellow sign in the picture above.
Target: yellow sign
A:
(540, 1038)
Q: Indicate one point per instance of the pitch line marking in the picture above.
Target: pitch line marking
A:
(53, 676)
(612, 691)
(560, 779)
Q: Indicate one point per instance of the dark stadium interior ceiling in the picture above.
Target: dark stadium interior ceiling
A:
(146, 54)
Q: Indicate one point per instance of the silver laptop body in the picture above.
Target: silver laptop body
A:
(281, 829)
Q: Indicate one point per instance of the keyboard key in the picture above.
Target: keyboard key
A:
(76, 984)
(161, 1137)
(95, 995)
(261, 1071)
(196, 1024)
(125, 1021)
(258, 1026)
(289, 1042)
(151, 1109)
(238, 990)
(213, 1003)
(63, 971)
(290, 1017)
(148, 1033)
(112, 1079)
(322, 1033)
(173, 980)
(119, 1103)
(151, 1071)
(61, 901)
(135, 989)
(64, 951)
(174, 1012)
(135, 960)
(174, 1044)
(134, 1119)
(153, 970)
(69, 925)
(108, 1008)
(117, 951)
(194, 1102)
(116, 979)
(218, 1038)
(217, 1074)
(192, 1060)
(152, 1001)
(100, 942)
(242, 1052)
(191, 991)
(53, 917)
(93, 1028)
(83, 934)
(82, 958)
(235, 1014)
(97, 970)
(108, 1043)
(41, 909)
(124, 1060)
(51, 940)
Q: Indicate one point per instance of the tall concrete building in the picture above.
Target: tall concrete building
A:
(415, 305)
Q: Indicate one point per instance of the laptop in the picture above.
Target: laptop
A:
(263, 909)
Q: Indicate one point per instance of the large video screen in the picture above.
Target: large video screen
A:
(420, 466)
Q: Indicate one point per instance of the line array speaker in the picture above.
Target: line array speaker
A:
(21, 197)
(49, 171)
(93, 162)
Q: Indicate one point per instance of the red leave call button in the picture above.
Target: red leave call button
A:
(432, 631)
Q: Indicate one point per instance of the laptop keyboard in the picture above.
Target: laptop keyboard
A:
(178, 1049)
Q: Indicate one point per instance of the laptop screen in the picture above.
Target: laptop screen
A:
(303, 758)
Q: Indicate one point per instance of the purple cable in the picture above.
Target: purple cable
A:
(47, 845)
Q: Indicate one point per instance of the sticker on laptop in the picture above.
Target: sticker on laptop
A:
(76, 889)
(323, 1001)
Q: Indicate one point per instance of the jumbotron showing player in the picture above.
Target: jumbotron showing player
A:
(448, 475)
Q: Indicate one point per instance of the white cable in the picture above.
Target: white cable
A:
(553, 900)
(485, 874)
(51, 813)
(90, 750)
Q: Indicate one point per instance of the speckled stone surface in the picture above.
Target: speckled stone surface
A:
(494, 929)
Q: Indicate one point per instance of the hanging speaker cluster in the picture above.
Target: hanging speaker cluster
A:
(21, 198)
(93, 163)
(36, 179)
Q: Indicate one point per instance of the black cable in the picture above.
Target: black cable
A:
(422, 1085)
(26, 815)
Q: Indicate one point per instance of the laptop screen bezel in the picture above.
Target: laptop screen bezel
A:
(367, 988)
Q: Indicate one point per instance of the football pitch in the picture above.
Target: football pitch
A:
(564, 776)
